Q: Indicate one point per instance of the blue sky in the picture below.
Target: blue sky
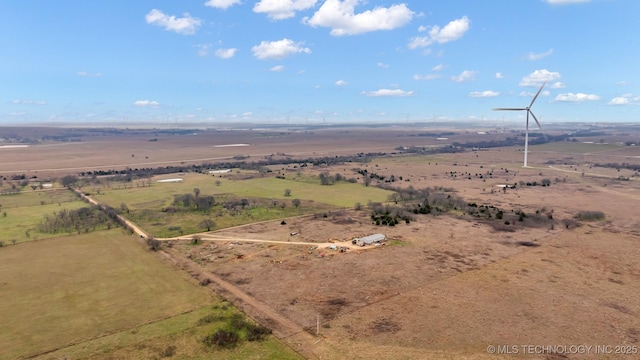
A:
(317, 60)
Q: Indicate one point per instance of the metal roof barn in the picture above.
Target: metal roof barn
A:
(371, 239)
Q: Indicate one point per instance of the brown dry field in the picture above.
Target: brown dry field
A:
(103, 150)
(444, 286)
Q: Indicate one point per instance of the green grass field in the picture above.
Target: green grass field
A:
(76, 288)
(176, 337)
(24, 211)
(146, 203)
(161, 224)
(342, 194)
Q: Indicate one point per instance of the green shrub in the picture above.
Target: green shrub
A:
(222, 339)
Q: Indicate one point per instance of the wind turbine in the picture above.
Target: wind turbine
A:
(528, 110)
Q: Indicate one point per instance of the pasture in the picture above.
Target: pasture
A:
(81, 287)
(25, 210)
(266, 195)
(342, 194)
(179, 336)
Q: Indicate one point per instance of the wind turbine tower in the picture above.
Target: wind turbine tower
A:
(529, 112)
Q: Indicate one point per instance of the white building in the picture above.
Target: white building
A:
(371, 239)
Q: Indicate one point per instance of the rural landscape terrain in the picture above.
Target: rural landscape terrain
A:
(248, 241)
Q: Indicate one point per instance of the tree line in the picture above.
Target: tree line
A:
(82, 220)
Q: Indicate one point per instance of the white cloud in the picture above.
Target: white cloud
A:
(532, 94)
(464, 76)
(226, 53)
(282, 9)
(579, 97)
(499, 75)
(203, 49)
(86, 74)
(221, 4)
(483, 94)
(388, 93)
(186, 25)
(564, 2)
(626, 99)
(539, 77)
(340, 16)
(277, 68)
(426, 77)
(383, 65)
(422, 28)
(454, 30)
(558, 85)
(29, 102)
(438, 67)
(341, 83)
(145, 103)
(622, 83)
(620, 100)
(533, 57)
(278, 49)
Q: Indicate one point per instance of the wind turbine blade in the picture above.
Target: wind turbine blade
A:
(538, 93)
(536, 119)
(509, 109)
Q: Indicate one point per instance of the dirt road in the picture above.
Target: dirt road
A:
(137, 230)
(213, 237)
(281, 326)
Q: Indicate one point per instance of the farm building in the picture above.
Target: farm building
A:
(225, 171)
(170, 180)
(371, 239)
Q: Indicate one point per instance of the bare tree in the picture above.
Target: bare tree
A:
(207, 224)
(326, 178)
(287, 192)
(296, 202)
(68, 180)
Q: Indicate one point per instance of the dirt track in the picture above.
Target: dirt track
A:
(281, 326)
